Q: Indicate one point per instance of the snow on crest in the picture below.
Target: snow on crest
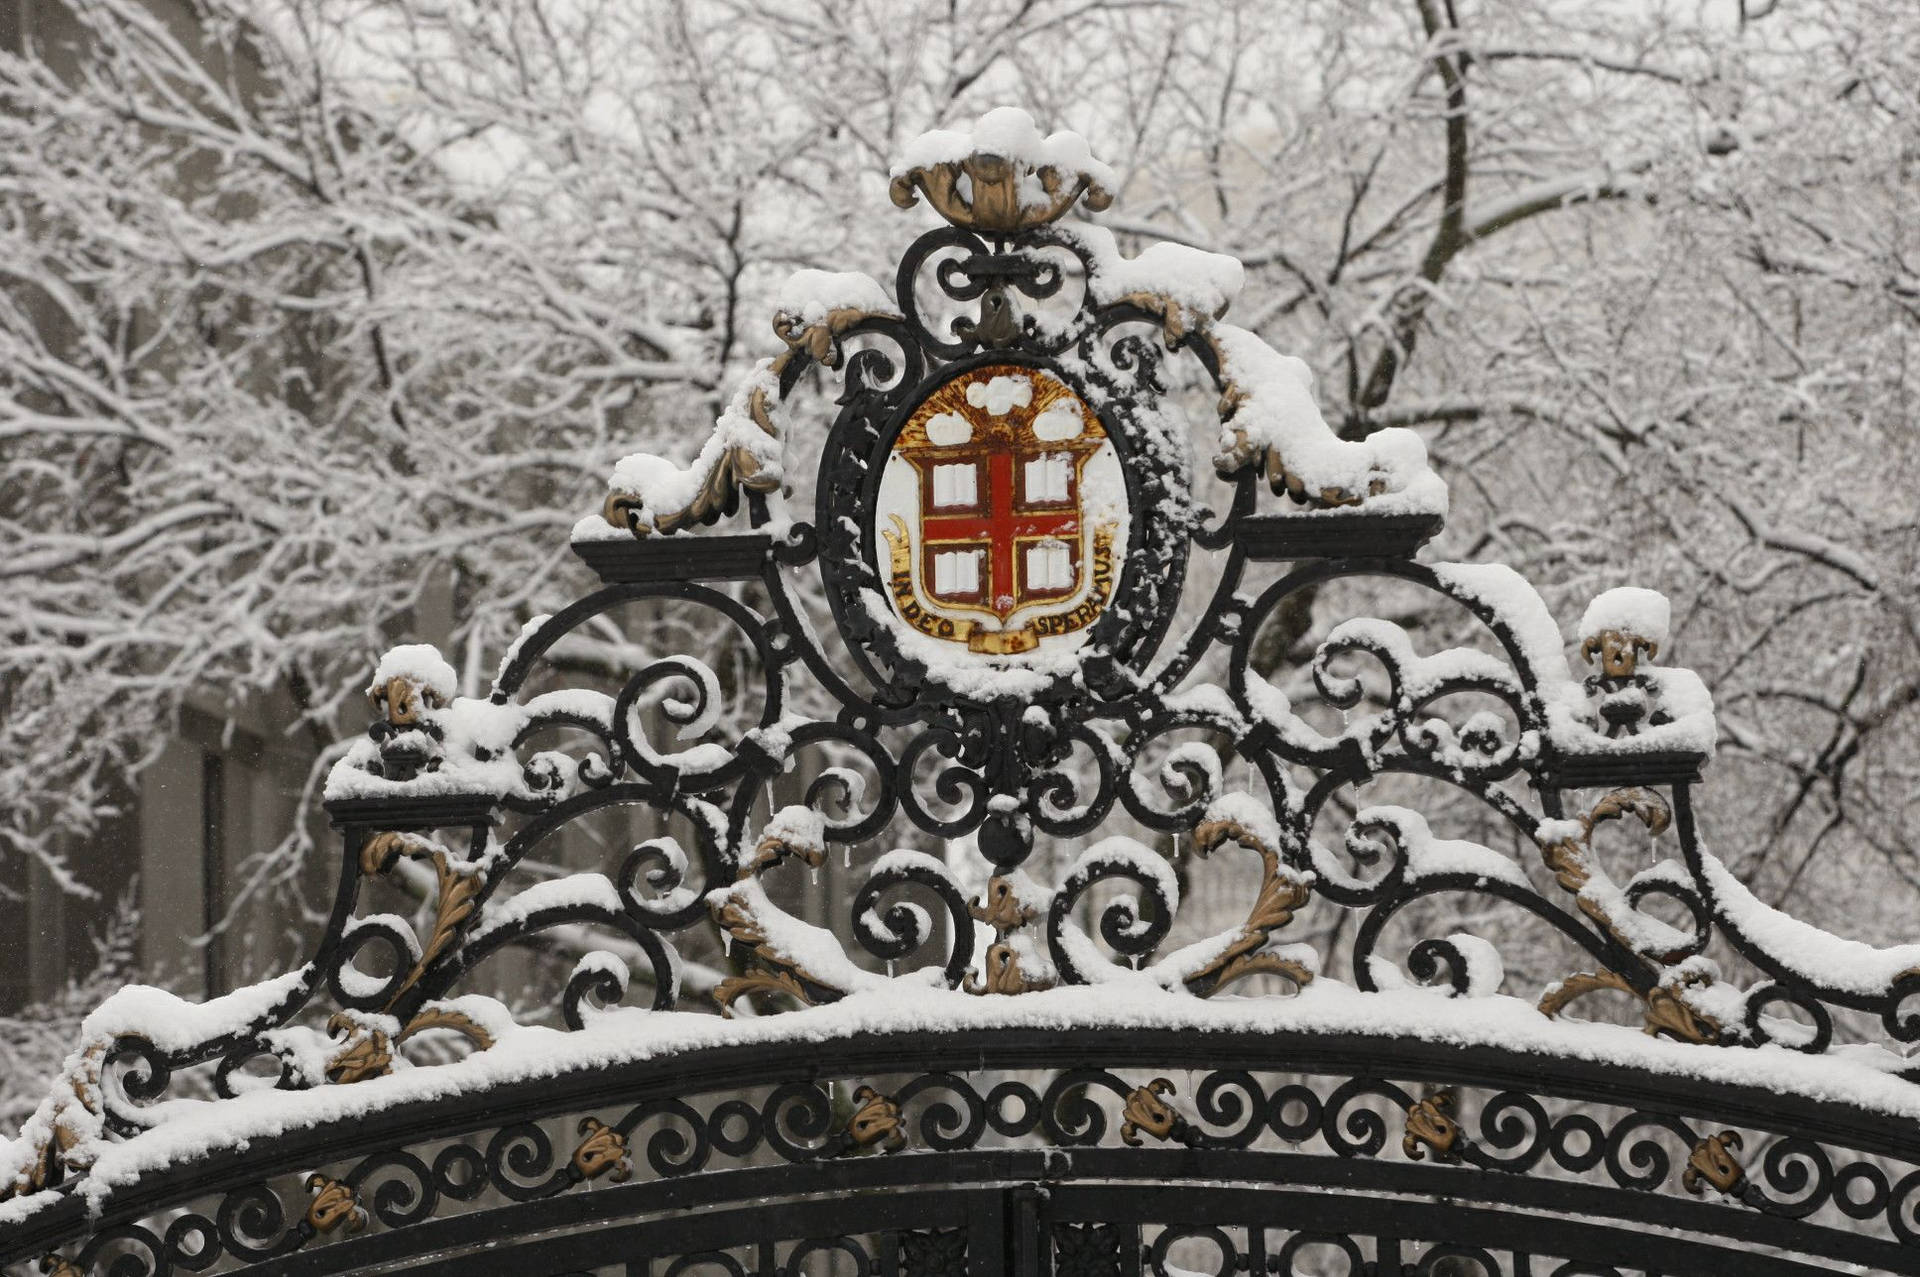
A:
(1206, 284)
(195, 1129)
(1630, 610)
(423, 664)
(809, 296)
(1000, 395)
(1279, 413)
(1011, 134)
(663, 487)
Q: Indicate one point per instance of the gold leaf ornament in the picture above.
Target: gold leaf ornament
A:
(1430, 1126)
(1712, 1162)
(1146, 1112)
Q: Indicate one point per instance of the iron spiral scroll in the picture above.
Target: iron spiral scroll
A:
(1010, 1062)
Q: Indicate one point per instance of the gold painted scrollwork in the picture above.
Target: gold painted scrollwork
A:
(996, 196)
(1000, 908)
(1571, 861)
(435, 1016)
(1281, 895)
(736, 469)
(457, 892)
(334, 1203)
(1430, 1126)
(1666, 1012)
(56, 1151)
(739, 469)
(1617, 651)
(365, 1052)
(400, 699)
(604, 1149)
(1712, 1162)
(875, 1120)
(734, 914)
(1146, 1112)
(819, 341)
(773, 849)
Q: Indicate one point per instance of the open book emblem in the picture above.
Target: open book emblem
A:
(1001, 506)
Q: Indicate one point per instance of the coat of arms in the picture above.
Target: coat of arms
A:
(1001, 507)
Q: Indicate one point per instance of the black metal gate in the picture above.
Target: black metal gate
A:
(1005, 519)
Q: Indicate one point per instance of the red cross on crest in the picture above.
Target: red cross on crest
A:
(999, 529)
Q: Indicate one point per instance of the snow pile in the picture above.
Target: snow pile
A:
(810, 297)
(1009, 133)
(420, 664)
(1204, 283)
(796, 828)
(1803, 949)
(465, 745)
(1496, 590)
(740, 449)
(1629, 610)
(1482, 975)
(191, 1130)
(1421, 854)
(1269, 412)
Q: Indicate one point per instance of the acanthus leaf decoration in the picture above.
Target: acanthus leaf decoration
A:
(1431, 1128)
(334, 1204)
(1007, 966)
(1712, 1162)
(458, 887)
(1283, 891)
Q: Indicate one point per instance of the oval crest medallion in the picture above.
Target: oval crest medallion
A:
(1002, 514)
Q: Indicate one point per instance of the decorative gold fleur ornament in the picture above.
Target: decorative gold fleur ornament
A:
(1712, 1162)
(875, 1121)
(334, 1203)
(1146, 1112)
(1430, 1126)
(603, 1150)
(1003, 177)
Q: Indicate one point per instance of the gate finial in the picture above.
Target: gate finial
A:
(1014, 179)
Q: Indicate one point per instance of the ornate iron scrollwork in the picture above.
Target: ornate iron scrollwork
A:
(1003, 525)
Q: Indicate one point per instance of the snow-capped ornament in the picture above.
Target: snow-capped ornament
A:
(1000, 175)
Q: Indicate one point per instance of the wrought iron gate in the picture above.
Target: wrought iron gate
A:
(1004, 523)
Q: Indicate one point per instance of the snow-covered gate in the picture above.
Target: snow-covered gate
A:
(1014, 1071)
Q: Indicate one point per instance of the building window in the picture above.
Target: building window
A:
(1047, 479)
(956, 486)
(956, 572)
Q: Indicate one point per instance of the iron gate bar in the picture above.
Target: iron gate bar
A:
(1193, 1178)
(720, 1229)
(1289, 1208)
(867, 1055)
(1424, 1221)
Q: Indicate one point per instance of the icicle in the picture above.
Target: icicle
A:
(846, 855)
(726, 943)
(813, 875)
(890, 965)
